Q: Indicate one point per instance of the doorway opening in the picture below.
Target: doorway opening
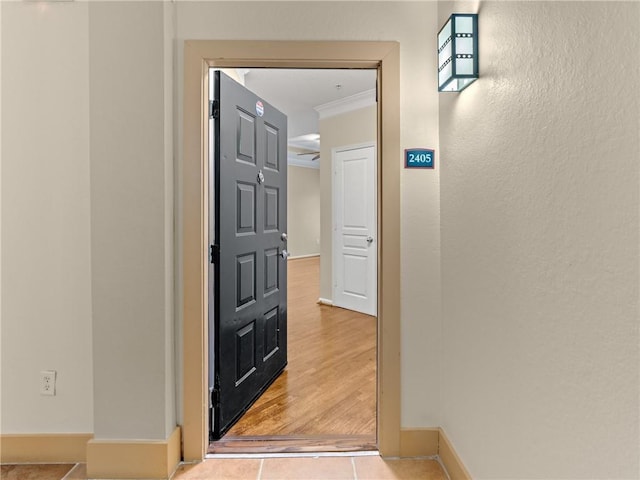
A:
(199, 56)
(325, 399)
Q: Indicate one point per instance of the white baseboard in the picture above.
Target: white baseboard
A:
(325, 301)
(304, 256)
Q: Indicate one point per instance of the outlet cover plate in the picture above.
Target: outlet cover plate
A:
(48, 382)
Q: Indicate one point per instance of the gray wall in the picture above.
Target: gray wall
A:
(87, 214)
(46, 248)
(131, 246)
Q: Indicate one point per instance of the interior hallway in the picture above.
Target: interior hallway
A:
(329, 386)
(295, 468)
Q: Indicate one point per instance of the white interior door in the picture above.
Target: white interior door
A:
(354, 236)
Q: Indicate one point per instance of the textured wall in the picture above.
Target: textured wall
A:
(540, 247)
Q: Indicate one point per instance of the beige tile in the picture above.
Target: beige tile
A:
(307, 468)
(34, 472)
(376, 468)
(220, 469)
(79, 472)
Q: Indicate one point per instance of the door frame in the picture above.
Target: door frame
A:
(199, 56)
(334, 208)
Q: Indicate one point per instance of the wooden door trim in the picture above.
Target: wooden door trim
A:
(199, 55)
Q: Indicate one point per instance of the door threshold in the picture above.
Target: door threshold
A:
(367, 453)
(292, 444)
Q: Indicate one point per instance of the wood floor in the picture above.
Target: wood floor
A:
(327, 394)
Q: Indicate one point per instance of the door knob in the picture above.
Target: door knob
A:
(284, 254)
(369, 239)
(283, 236)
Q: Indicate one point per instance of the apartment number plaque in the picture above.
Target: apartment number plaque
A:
(419, 158)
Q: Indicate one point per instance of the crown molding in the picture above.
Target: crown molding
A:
(347, 104)
(295, 161)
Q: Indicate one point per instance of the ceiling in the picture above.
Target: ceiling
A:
(297, 91)
(292, 90)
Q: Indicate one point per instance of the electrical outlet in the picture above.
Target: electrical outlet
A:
(48, 382)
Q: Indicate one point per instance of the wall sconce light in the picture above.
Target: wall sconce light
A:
(458, 52)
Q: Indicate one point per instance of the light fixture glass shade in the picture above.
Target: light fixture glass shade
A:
(458, 52)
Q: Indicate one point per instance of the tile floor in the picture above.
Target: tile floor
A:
(294, 468)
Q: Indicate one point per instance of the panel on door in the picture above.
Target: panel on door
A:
(249, 214)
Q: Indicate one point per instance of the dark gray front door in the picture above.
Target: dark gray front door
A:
(250, 265)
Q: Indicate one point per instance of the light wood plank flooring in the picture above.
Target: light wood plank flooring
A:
(328, 391)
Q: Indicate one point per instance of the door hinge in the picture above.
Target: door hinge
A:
(214, 109)
(215, 254)
(211, 437)
(214, 401)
